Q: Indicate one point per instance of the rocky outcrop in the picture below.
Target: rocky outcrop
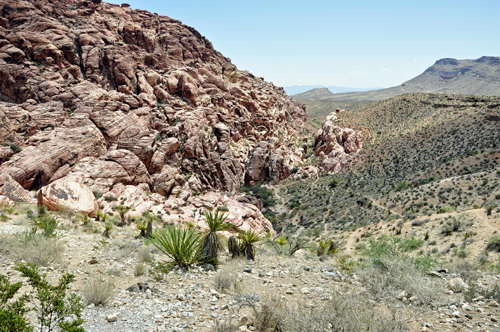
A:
(72, 196)
(270, 162)
(336, 145)
(81, 82)
(13, 190)
(254, 199)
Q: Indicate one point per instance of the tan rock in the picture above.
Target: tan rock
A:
(68, 195)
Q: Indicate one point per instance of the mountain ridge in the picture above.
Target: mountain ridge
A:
(447, 76)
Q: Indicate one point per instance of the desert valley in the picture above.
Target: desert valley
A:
(149, 184)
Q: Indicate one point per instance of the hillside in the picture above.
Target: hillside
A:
(297, 89)
(448, 76)
(422, 154)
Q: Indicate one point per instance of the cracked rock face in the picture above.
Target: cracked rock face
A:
(336, 145)
(105, 95)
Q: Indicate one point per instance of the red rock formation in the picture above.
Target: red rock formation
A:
(335, 145)
(83, 81)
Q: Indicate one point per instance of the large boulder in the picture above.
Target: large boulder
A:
(68, 195)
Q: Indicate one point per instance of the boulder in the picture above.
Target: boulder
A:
(456, 285)
(13, 190)
(68, 195)
(6, 201)
(251, 199)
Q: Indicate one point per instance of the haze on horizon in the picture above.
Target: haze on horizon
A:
(358, 44)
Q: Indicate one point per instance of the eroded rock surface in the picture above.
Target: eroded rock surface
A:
(335, 145)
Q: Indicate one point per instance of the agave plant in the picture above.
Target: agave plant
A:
(180, 244)
(211, 240)
(247, 241)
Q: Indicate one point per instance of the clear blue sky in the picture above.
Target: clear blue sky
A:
(350, 43)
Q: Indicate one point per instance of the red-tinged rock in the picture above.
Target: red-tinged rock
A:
(5, 152)
(335, 145)
(68, 195)
(13, 190)
(6, 201)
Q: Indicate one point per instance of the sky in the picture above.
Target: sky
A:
(349, 43)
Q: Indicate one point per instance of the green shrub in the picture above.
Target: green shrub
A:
(390, 269)
(55, 309)
(334, 183)
(402, 185)
(493, 244)
(110, 198)
(411, 244)
(12, 313)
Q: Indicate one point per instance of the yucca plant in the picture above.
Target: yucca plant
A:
(211, 240)
(121, 209)
(327, 247)
(142, 226)
(180, 244)
(108, 226)
(247, 241)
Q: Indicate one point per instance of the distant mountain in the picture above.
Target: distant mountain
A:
(296, 89)
(315, 94)
(468, 77)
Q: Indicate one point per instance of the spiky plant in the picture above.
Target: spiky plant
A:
(108, 226)
(180, 244)
(326, 247)
(211, 240)
(121, 209)
(142, 226)
(247, 241)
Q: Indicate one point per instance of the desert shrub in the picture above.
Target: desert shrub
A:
(12, 313)
(159, 270)
(347, 313)
(266, 195)
(451, 226)
(180, 244)
(493, 244)
(55, 310)
(37, 249)
(140, 269)
(334, 183)
(110, 198)
(466, 269)
(144, 255)
(248, 239)
(98, 291)
(390, 270)
(97, 194)
(226, 281)
(114, 272)
(402, 185)
(411, 244)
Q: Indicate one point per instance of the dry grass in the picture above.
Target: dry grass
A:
(348, 312)
(38, 249)
(225, 281)
(98, 291)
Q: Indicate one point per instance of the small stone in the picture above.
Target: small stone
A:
(93, 261)
(112, 317)
(247, 270)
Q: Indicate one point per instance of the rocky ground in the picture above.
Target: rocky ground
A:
(463, 296)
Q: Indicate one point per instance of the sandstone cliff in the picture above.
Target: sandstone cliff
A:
(108, 96)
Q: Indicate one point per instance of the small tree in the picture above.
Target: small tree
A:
(55, 310)
(211, 241)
